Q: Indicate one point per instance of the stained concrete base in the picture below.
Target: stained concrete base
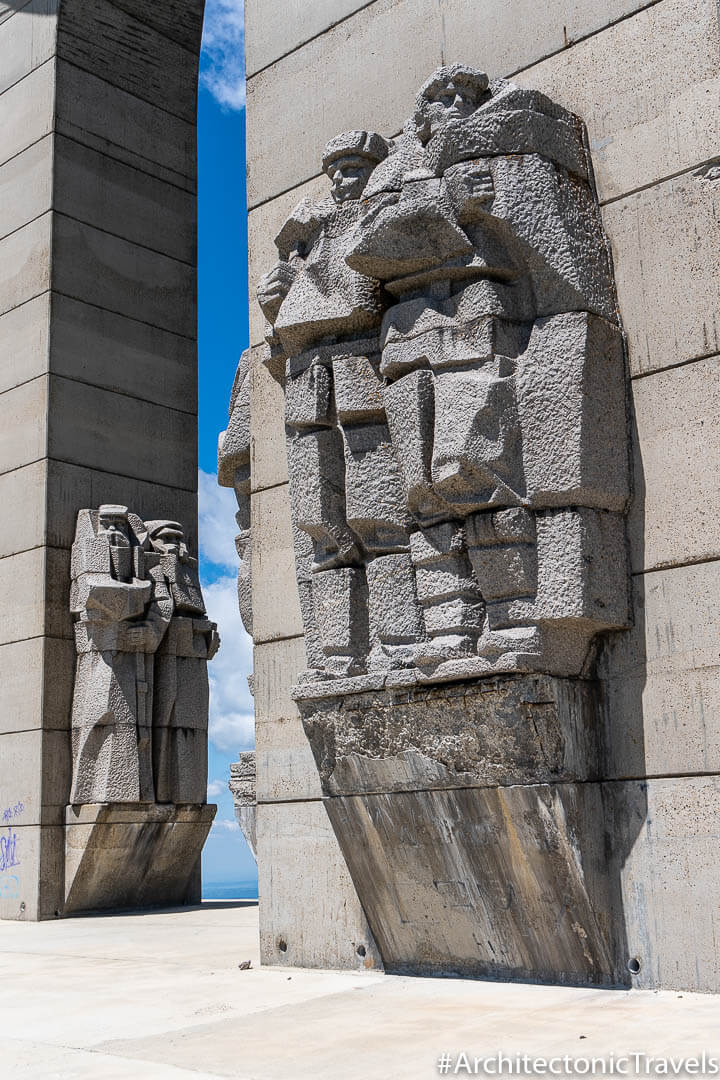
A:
(161, 996)
(123, 855)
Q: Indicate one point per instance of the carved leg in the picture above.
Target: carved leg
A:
(448, 592)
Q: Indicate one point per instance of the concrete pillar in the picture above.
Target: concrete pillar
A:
(98, 396)
(653, 136)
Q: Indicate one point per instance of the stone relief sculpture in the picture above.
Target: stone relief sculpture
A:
(143, 640)
(455, 395)
(445, 327)
(234, 472)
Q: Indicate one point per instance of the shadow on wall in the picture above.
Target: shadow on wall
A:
(622, 675)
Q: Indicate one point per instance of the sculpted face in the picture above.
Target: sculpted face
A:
(349, 176)
(169, 540)
(116, 527)
(448, 98)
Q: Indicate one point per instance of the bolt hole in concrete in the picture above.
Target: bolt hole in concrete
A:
(634, 965)
(282, 945)
(360, 950)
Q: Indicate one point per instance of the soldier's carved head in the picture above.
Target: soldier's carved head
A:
(167, 537)
(113, 520)
(350, 158)
(451, 93)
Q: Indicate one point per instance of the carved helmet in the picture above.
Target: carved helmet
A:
(367, 144)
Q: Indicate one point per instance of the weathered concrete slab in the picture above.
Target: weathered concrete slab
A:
(28, 41)
(22, 496)
(104, 40)
(644, 124)
(83, 426)
(26, 111)
(286, 768)
(25, 263)
(84, 421)
(31, 700)
(663, 239)
(179, 20)
(27, 755)
(123, 856)
(669, 878)
(275, 597)
(117, 123)
(674, 517)
(71, 486)
(123, 277)
(24, 341)
(268, 457)
(661, 680)
(275, 28)
(23, 431)
(522, 730)
(312, 918)
(494, 882)
(31, 884)
(123, 200)
(26, 186)
(110, 351)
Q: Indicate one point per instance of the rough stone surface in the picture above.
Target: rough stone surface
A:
(243, 787)
(492, 733)
(140, 703)
(487, 380)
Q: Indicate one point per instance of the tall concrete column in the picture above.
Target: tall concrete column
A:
(98, 394)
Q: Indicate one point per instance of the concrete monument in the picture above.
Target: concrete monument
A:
(139, 713)
(456, 419)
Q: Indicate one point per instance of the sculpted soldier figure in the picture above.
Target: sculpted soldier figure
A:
(180, 698)
(139, 712)
(234, 472)
(121, 616)
(455, 391)
(505, 361)
(347, 491)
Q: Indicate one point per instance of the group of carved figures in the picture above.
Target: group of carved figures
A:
(140, 704)
(446, 328)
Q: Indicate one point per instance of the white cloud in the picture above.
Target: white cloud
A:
(215, 788)
(225, 825)
(223, 60)
(216, 509)
(232, 726)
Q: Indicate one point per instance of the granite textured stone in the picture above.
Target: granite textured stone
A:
(487, 379)
(243, 788)
(140, 704)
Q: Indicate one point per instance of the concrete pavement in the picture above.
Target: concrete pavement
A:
(161, 996)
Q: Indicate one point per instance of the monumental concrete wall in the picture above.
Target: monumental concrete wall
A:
(645, 79)
(98, 397)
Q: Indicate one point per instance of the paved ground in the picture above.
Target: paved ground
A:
(161, 996)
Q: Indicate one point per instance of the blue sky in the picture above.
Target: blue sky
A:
(223, 334)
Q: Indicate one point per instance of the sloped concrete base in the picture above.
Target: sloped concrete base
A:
(472, 824)
(121, 855)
